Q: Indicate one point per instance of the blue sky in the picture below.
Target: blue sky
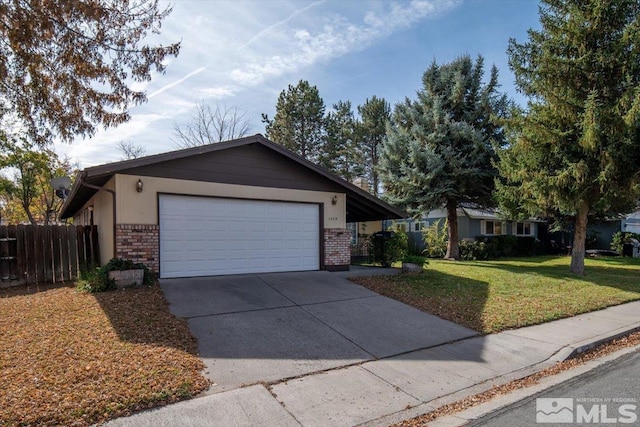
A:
(244, 53)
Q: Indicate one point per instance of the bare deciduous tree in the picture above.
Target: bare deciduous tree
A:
(131, 151)
(211, 124)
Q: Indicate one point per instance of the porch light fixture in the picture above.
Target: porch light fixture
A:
(139, 186)
(334, 200)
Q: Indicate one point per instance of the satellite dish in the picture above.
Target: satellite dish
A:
(61, 184)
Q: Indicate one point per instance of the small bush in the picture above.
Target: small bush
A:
(528, 246)
(474, 250)
(389, 247)
(495, 247)
(98, 280)
(415, 259)
(92, 281)
(619, 239)
(435, 240)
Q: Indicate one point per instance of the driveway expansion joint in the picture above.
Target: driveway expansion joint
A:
(237, 312)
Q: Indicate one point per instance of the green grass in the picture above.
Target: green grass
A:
(491, 296)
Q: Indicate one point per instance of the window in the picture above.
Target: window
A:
(353, 227)
(401, 226)
(524, 229)
(418, 226)
(492, 228)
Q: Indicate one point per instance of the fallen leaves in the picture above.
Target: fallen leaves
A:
(477, 399)
(69, 358)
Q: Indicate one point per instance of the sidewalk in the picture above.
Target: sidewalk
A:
(389, 390)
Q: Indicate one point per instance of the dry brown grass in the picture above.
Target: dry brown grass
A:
(70, 358)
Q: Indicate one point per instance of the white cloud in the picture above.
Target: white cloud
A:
(217, 92)
(229, 47)
(102, 147)
(264, 32)
(336, 38)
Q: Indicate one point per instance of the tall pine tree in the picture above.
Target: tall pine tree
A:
(340, 154)
(298, 124)
(371, 131)
(577, 149)
(439, 148)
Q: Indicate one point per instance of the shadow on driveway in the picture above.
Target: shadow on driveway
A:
(268, 327)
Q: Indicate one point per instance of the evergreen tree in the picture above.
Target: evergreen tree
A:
(372, 129)
(577, 147)
(439, 148)
(298, 124)
(340, 154)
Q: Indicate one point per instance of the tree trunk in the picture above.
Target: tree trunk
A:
(453, 249)
(374, 172)
(32, 220)
(579, 239)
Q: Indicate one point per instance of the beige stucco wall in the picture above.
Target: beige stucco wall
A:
(102, 203)
(142, 208)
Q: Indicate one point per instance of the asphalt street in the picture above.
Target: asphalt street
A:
(608, 395)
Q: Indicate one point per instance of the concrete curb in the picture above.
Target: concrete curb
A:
(574, 350)
(466, 416)
(462, 418)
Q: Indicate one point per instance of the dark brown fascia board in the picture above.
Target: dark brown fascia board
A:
(80, 176)
(112, 168)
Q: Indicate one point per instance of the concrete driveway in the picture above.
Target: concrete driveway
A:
(268, 327)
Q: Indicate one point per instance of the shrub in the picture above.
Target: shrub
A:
(98, 280)
(415, 259)
(619, 239)
(92, 281)
(389, 247)
(495, 247)
(528, 246)
(473, 250)
(435, 239)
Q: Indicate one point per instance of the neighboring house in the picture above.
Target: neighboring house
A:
(601, 231)
(242, 206)
(631, 223)
(471, 223)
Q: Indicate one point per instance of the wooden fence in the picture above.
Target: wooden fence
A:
(31, 254)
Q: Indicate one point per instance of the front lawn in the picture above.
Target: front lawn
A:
(491, 296)
(70, 358)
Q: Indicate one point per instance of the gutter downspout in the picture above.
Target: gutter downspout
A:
(113, 196)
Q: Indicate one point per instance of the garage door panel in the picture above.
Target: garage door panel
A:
(202, 236)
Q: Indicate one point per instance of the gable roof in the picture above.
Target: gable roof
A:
(227, 162)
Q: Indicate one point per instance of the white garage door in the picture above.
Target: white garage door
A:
(203, 236)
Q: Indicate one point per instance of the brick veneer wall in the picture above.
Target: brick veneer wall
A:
(337, 252)
(139, 243)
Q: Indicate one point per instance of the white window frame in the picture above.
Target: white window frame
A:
(483, 227)
(524, 224)
(401, 226)
(421, 225)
